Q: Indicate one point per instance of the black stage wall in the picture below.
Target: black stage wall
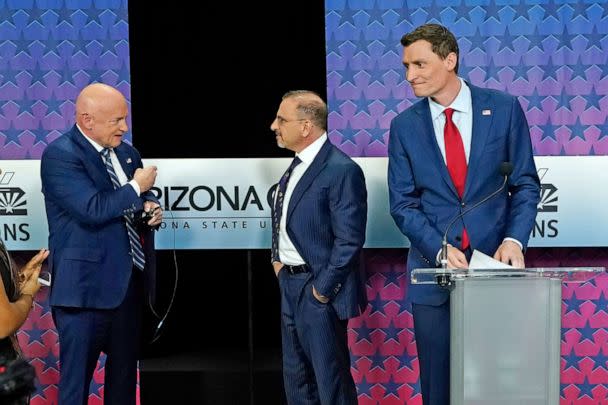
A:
(206, 83)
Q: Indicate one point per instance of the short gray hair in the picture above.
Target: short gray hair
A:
(310, 105)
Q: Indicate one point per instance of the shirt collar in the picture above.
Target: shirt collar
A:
(97, 146)
(308, 154)
(462, 102)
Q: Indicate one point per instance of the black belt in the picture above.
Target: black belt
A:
(302, 268)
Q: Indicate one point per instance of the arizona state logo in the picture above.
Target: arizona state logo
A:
(12, 199)
(548, 194)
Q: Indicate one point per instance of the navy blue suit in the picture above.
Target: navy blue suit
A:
(423, 200)
(96, 294)
(326, 220)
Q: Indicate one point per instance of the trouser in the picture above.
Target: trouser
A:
(84, 333)
(316, 360)
(432, 331)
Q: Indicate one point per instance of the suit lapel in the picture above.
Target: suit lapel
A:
(310, 174)
(483, 113)
(430, 140)
(92, 160)
(125, 161)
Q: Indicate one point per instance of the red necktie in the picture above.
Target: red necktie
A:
(456, 161)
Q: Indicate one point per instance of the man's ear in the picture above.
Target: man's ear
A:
(87, 120)
(451, 60)
(307, 128)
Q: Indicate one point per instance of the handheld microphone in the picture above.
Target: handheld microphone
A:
(505, 169)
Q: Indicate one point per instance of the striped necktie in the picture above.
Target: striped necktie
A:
(139, 260)
(278, 208)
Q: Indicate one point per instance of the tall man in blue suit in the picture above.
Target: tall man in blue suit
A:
(444, 156)
(93, 186)
(319, 216)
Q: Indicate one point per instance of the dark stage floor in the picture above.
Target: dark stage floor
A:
(214, 378)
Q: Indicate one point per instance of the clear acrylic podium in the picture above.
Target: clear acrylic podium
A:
(505, 332)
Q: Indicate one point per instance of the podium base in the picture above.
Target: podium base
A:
(505, 341)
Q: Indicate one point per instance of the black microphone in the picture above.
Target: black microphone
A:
(505, 169)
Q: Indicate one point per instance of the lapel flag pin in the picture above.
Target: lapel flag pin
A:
(486, 112)
(128, 160)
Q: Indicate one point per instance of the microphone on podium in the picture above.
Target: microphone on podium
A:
(505, 170)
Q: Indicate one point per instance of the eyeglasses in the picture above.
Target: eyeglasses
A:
(281, 120)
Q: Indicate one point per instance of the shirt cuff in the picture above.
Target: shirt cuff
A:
(438, 258)
(135, 186)
(516, 241)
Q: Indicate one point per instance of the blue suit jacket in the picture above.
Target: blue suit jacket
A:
(89, 247)
(326, 220)
(423, 199)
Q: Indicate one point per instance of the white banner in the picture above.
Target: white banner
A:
(22, 215)
(224, 203)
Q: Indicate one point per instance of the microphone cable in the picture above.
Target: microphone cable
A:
(506, 168)
(157, 332)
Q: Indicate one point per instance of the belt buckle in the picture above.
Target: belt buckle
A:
(295, 269)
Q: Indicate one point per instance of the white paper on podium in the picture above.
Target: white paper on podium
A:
(483, 261)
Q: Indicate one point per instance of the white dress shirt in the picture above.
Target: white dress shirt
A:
(288, 254)
(463, 119)
(122, 177)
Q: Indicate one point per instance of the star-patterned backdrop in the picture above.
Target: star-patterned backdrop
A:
(552, 55)
(383, 350)
(49, 51)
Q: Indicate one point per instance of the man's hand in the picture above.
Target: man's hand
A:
(157, 213)
(277, 266)
(321, 298)
(456, 259)
(145, 178)
(509, 252)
